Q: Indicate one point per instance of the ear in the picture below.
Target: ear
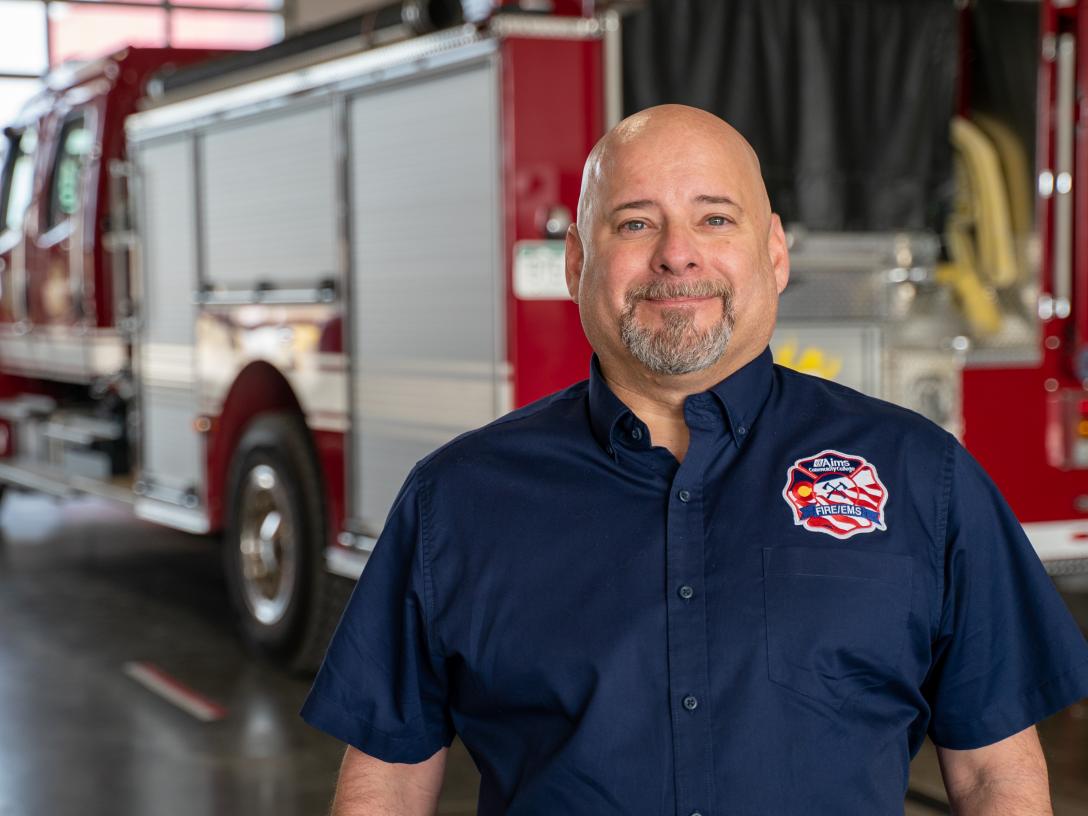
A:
(778, 252)
(575, 258)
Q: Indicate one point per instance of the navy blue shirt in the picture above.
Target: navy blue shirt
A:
(770, 627)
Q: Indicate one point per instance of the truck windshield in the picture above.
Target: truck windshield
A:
(16, 181)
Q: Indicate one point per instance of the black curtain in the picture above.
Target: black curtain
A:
(1004, 64)
(847, 102)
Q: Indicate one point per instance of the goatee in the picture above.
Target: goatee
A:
(678, 346)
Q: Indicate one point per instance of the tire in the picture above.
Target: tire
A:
(287, 603)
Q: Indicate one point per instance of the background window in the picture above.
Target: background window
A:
(80, 31)
(14, 92)
(15, 185)
(38, 35)
(270, 5)
(75, 145)
(213, 28)
(22, 37)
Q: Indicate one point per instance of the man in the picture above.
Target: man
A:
(696, 583)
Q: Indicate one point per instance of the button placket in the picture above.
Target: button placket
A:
(687, 626)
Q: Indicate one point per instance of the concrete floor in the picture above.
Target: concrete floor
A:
(85, 590)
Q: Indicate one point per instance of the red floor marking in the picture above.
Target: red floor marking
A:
(174, 691)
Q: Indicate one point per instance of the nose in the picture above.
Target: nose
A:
(676, 252)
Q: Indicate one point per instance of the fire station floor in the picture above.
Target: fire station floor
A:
(92, 601)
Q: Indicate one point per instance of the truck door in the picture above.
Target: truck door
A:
(16, 187)
(57, 292)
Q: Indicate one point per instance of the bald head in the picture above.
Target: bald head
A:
(671, 133)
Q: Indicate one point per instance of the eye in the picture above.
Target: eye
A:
(718, 220)
(634, 225)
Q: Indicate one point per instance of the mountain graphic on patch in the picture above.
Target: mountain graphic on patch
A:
(836, 493)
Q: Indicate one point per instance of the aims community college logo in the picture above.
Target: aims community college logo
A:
(836, 493)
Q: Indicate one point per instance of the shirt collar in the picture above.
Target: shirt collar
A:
(742, 395)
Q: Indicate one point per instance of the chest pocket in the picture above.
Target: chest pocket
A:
(836, 619)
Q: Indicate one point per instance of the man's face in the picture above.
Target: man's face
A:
(674, 266)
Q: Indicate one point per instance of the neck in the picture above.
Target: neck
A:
(658, 399)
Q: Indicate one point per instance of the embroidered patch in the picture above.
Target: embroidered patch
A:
(836, 493)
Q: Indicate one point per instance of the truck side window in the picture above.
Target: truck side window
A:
(75, 145)
(16, 183)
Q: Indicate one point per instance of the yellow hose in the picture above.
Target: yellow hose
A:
(983, 201)
(1017, 172)
(980, 232)
(978, 303)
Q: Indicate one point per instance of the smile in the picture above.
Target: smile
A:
(682, 301)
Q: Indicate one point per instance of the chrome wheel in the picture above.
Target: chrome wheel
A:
(268, 545)
(274, 538)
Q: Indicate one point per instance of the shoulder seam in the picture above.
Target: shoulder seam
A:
(834, 388)
(544, 404)
(424, 505)
(940, 543)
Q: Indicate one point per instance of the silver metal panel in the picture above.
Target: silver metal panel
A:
(344, 562)
(63, 353)
(168, 254)
(426, 266)
(859, 276)
(849, 354)
(547, 27)
(172, 449)
(269, 194)
(861, 251)
(425, 53)
(1063, 203)
(191, 520)
(611, 22)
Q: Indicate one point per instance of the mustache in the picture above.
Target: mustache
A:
(667, 290)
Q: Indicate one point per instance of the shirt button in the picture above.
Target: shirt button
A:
(690, 703)
(742, 430)
(636, 434)
(696, 813)
(684, 495)
(686, 592)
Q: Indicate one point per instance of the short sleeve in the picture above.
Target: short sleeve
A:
(1008, 652)
(381, 687)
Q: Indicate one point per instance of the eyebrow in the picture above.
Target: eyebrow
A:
(641, 204)
(647, 203)
(709, 199)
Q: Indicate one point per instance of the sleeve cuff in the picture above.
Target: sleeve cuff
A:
(1011, 717)
(327, 716)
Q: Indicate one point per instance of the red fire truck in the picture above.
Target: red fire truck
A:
(252, 306)
(244, 297)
